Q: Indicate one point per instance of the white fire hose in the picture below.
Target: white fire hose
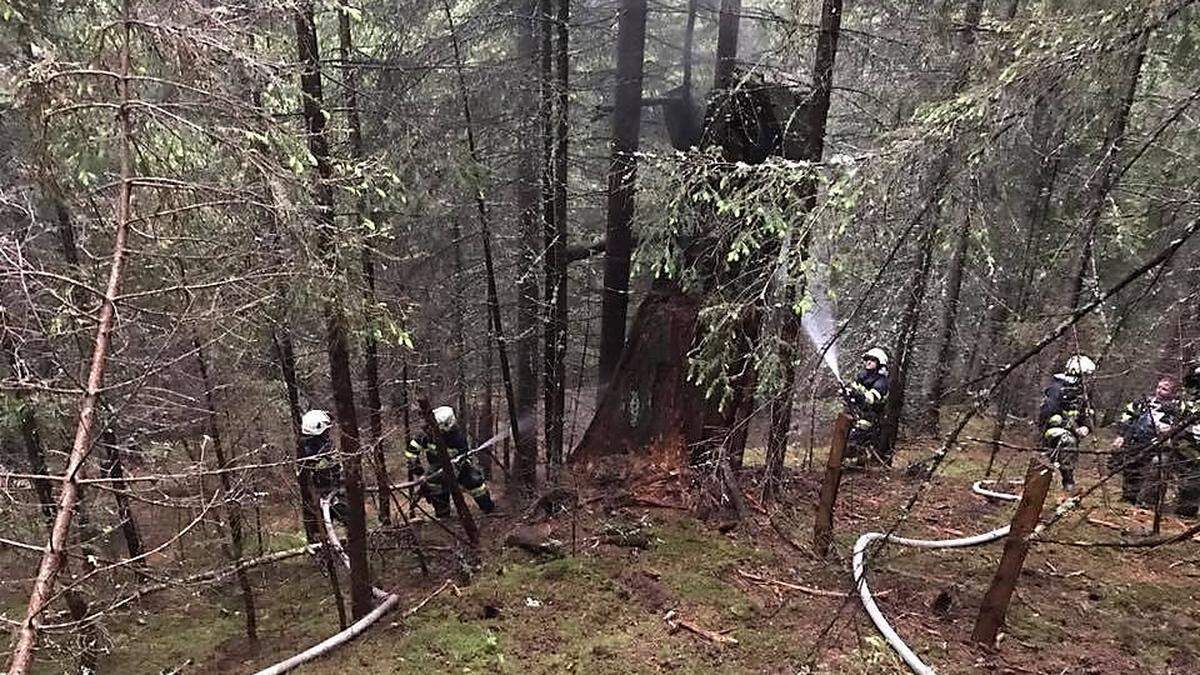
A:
(387, 602)
(864, 591)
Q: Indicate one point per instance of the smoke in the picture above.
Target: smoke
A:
(819, 324)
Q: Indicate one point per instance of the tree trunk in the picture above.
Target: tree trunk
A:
(52, 560)
(622, 179)
(556, 251)
(910, 321)
(689, 37)
(370, 347)
(1102, 180)
(727, 43)
(112, 468)
(946, 332)
(287, 368)
(335, 320)
(817, 114)
(526, 372)
(233, 507)
(485, 236)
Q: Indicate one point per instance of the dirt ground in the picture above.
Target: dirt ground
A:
(601, 604)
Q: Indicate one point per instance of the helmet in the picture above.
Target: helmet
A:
(1191, 379)
(1080, 365)
(878, 354)
(444, 416)
(315, 423)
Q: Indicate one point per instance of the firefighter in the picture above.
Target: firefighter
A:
(865, 397)
(1140, 424)
(319, 460)
(1065, 416)
(437, 489)
(1188, 445)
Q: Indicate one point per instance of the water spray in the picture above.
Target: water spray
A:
(819, 324)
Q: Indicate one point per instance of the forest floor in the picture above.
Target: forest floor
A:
(600, 607)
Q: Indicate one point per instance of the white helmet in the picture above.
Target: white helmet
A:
(315, 423)
(878, 354)
(444, 416)
(1080, 365)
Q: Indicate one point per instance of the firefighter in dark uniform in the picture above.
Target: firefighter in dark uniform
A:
(1065, 416)
(320, 462)
(1140, 424)
(865, 397)
(1187, 445)
(437, 489)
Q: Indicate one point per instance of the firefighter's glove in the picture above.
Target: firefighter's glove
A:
(1118, 442)
(1082, 432)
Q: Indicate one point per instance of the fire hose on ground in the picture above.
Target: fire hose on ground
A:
(889, 634)
(387, 602)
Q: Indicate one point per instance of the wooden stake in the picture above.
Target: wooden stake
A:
(1016, 545)
(823, 529)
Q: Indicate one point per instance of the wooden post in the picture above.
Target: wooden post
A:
(1016, 545)
(823, 529)
(447, 467)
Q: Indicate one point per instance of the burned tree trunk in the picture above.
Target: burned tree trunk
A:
(336, 337)
(622, 177)
(651, 416)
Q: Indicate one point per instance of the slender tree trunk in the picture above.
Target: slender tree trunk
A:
(485, 236)
(337, 341)
(1101, 182)
(817, 113)
(689, 39)
(727, 43)
(233, 507)
(556, 255)
(112, 468)
(31, 438)
(370, 347)
(287, 368)
(526, 372)
(946, 332)
(910, 321)
(52, 560)
(622, 184)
